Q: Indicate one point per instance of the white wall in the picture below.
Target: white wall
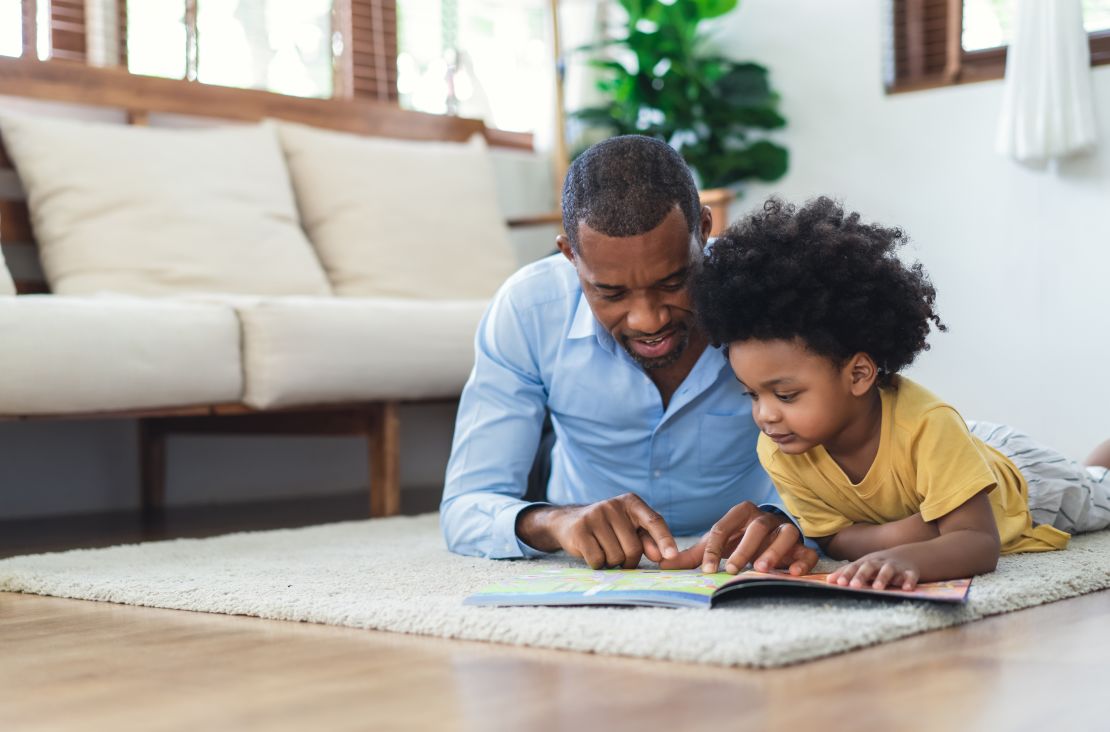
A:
(1020, 258)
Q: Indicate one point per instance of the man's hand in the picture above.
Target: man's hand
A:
(878, 570)
(744, 535)
(611, 533)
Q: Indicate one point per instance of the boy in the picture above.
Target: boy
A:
(819, 315)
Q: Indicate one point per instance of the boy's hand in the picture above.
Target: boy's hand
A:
(746, 534)
(877, 570)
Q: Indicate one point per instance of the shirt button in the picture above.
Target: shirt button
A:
(657, 473)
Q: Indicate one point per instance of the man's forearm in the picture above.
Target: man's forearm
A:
(860, 539)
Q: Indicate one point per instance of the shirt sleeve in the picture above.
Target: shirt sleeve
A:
(497, 432)
(815, 518)
(949, 467)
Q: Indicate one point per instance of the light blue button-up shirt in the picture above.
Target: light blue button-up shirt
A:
(540, 347)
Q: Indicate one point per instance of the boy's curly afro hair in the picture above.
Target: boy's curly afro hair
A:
(822, 276)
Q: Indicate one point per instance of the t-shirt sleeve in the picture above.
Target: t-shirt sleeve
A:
(815, 517)
(948, 464)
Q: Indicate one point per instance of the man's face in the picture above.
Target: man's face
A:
(637, 285)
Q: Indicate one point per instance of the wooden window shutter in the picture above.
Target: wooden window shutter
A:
(370, 50)
(927, 42)
(67, 30)
(30, 28)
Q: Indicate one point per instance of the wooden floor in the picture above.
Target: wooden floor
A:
(74, 665)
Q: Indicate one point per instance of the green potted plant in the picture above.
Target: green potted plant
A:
(661, 79)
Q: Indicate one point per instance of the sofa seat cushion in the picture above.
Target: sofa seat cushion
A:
(157, 211)
(400, 218)
(80, 355)
(303, 351)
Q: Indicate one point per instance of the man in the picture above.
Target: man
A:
(654, 435)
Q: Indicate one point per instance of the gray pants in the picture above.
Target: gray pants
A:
(1072, 497)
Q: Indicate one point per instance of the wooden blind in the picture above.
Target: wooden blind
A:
(30, 28)
(67, 30)
(927, 47)
(372, 46)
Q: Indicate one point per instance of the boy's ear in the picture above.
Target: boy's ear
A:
(861, 372)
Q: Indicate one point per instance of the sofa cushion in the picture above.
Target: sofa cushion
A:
(392, 218)
(76, 355)
(7, 287)
(155, 211)
(300, 351)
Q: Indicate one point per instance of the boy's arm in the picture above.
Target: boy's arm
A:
(967, 544)
(859, 539)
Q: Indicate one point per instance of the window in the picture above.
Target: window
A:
(487, 59)
(990, 23)
(938, 42)
(311, 48)
(11, 28)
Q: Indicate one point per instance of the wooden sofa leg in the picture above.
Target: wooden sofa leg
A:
(385, 460)
(152, 469)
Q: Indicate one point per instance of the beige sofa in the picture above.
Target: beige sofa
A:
(246, 271)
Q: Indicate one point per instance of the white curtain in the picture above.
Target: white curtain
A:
(1047, 110)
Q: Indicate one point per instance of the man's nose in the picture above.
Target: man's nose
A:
(648, 314)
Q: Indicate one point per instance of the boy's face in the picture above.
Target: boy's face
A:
(799, 399)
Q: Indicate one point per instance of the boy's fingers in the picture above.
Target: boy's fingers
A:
(909, 580)
(845, 573)
(883, 578)
(865, 572)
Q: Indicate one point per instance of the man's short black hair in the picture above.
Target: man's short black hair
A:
(819, 275)
(627, 185)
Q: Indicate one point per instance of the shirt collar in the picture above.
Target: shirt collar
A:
(585, 325)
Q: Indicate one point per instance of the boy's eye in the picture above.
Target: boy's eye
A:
(787, 397)
(751, 395)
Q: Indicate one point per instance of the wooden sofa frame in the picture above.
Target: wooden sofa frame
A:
(142, 97)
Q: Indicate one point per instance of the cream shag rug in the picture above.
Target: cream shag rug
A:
(395, 574)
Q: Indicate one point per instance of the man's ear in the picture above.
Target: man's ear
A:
(861, 373)
(705, 224)
(563, 242)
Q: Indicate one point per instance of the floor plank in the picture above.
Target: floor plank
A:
(68, 664)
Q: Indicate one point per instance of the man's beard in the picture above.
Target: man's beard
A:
(682, 339)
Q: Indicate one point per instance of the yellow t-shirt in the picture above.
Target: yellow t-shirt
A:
(927, 463)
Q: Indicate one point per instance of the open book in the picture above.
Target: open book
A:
(684, 588)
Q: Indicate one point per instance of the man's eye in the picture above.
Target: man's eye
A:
(614, 297)
(673, 288)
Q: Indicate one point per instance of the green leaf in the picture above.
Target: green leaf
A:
(770, 160)
(713, 8)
